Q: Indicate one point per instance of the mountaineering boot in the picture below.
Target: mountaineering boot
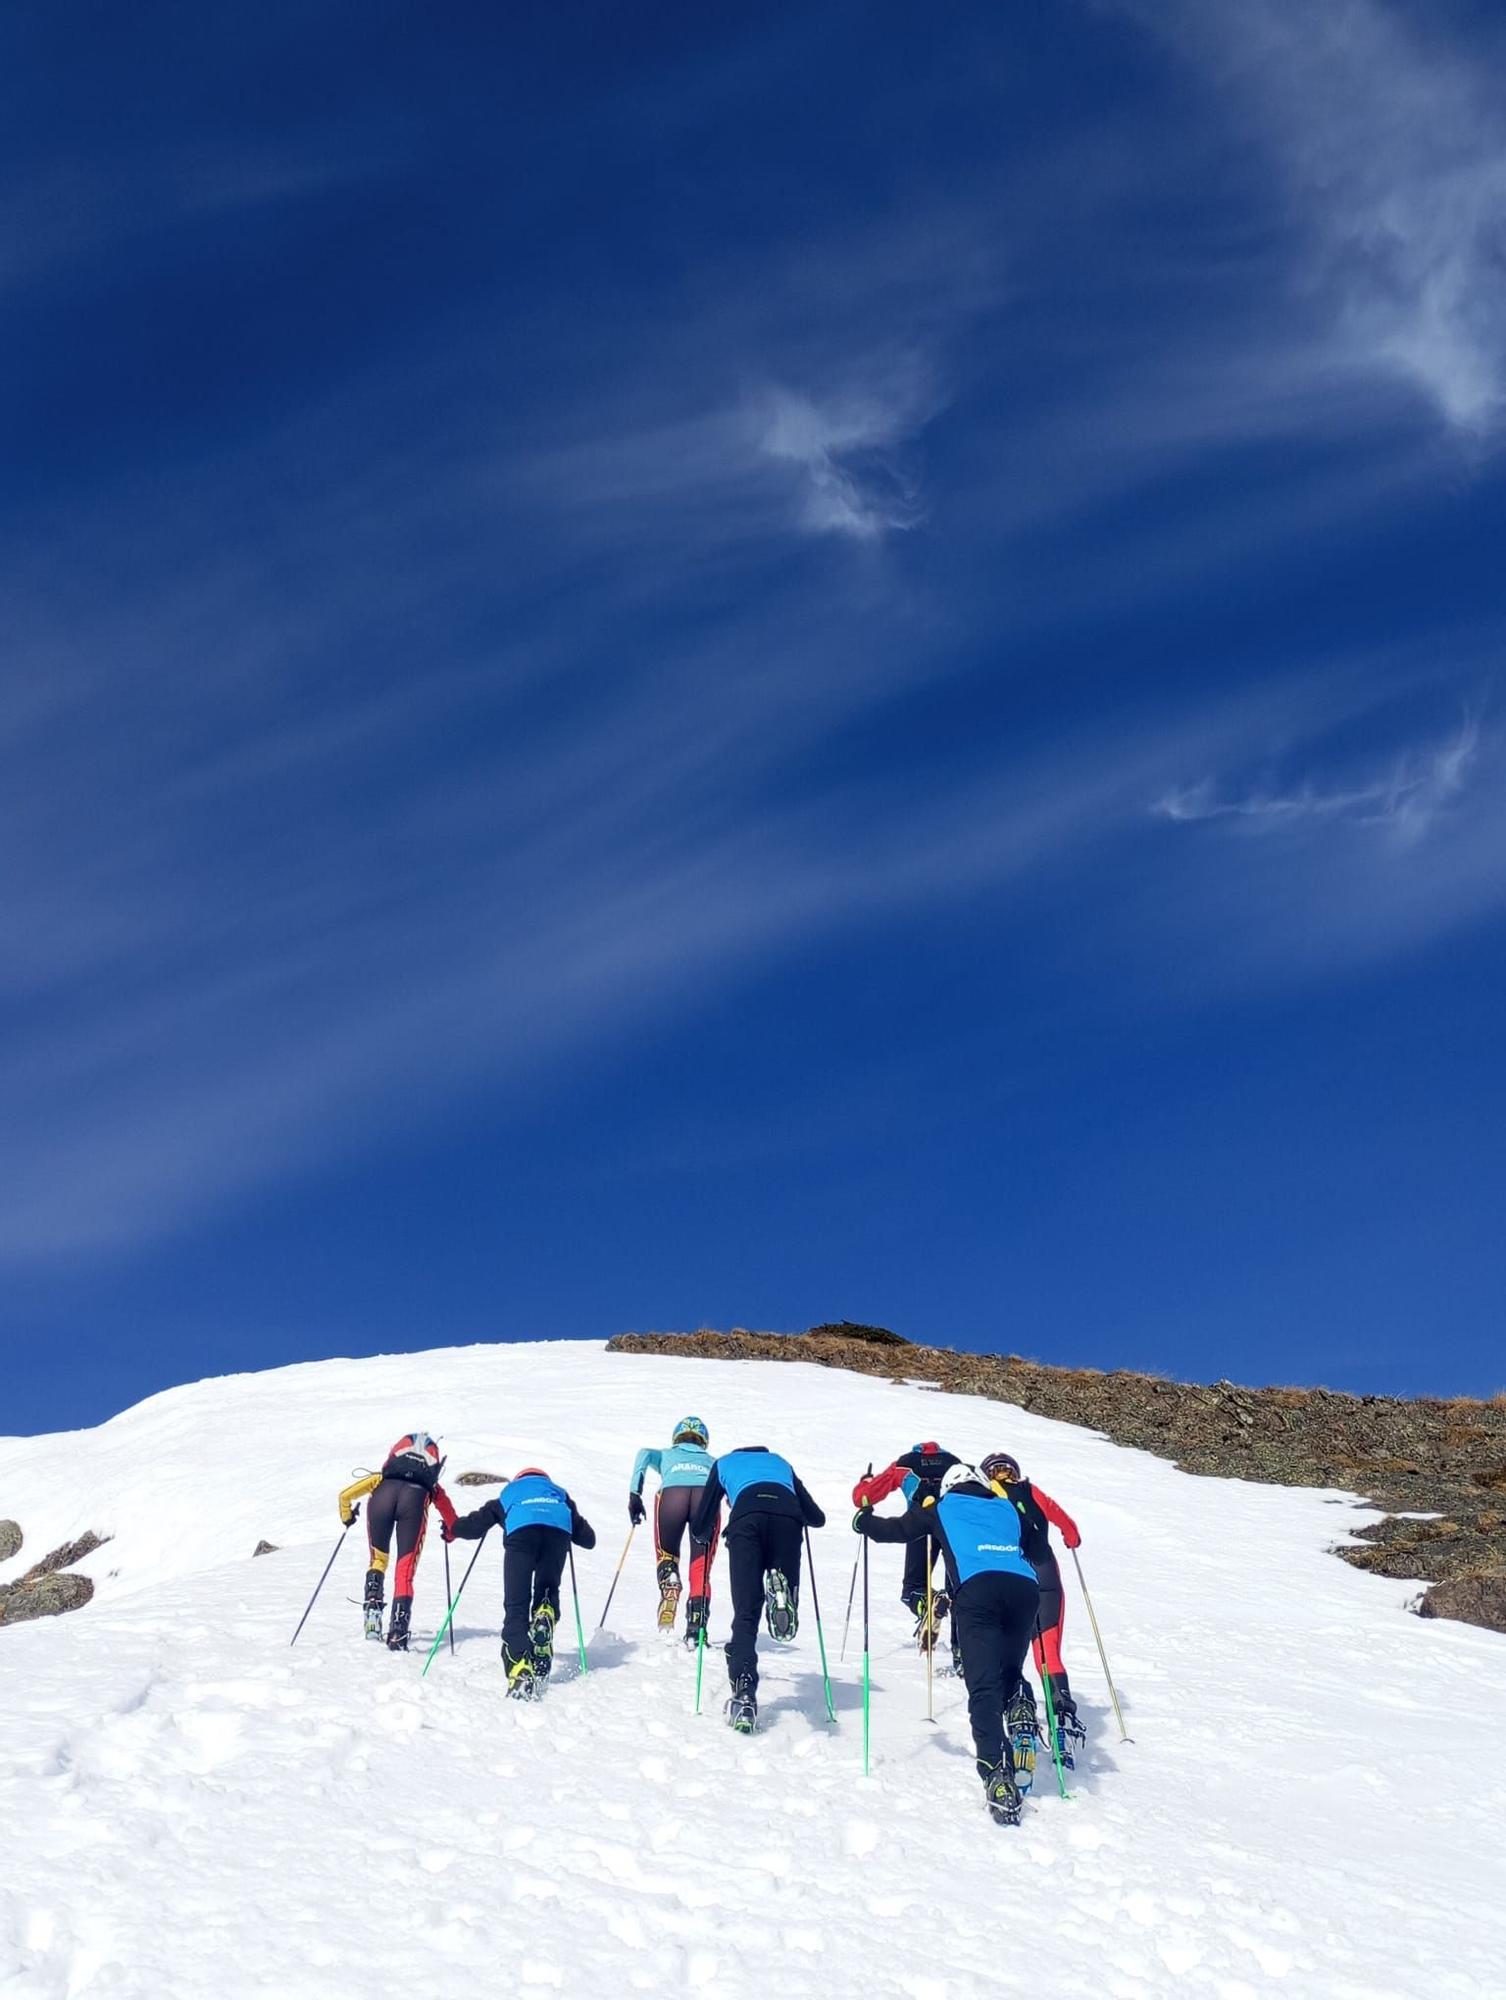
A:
(669, 1592)
(1070, 1734)
(373, 1606)
(397, 1628)
(1000, 1792)
(541, 1642)
(697, 1611)
(780, 1607)
(928, 1618)
(956, 1654)
(520, 1676)
(742, 1707)
(1024, 1734)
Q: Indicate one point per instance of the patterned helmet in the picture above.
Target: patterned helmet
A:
(1000, 1466)
(690, 1430)
(416, 1444)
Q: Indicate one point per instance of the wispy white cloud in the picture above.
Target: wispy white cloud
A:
(846, 452)
(1404, 800)
(1390, 145)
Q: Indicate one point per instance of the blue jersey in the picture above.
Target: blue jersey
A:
(536, 1502)
(982, 1534)
(676, 1465)
(741, 1469)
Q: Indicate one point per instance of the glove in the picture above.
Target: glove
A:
(861, 1519)
(635, 1509)
(349, 1520)
(1073, 1539)
(446, 1532)
(861, 1497)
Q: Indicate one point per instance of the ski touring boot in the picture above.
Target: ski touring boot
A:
(373, 1606)
(397, 1627)
(1024, 1735)
(928, 1617)
(669, 1592)
(742, 1707)
(956, 1654)
(1071, 1737)
(780, 1608)
(520, 1677)
(541, 1644)
(697, 1611)
(1001, 1794)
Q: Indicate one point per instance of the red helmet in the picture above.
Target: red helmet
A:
(531, 1472)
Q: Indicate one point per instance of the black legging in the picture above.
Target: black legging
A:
(673, 1507)
(993, 1616)
(397, 1506)
(533, 1562)
(756, 1543)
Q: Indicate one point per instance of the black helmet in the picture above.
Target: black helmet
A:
(1000, 1466)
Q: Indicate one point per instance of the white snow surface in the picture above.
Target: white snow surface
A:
(1312, 1803)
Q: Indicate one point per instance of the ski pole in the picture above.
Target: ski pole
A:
(847, 1621)
(700, 1663)
(580, 1630)
(327, 1568)
(615, 1574)
(831, 1712)
(454, 1606)
(1056, 1751)
(449, 1594)
(1124, 1735)
(930, 1642)
(865, 1656)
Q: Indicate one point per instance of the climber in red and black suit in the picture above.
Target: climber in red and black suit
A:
(919, 1473)
(400, 1497)
(1037, 1510)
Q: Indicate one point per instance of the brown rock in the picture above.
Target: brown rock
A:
(10, 1540)
(1477, 1600)
(264, 1548)
(49, 1595)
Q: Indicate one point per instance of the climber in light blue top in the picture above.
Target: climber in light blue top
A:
(683, 1469)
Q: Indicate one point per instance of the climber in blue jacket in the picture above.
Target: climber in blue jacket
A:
(995, 1601)
(682, 1470)
(768, 1510)
(539, 1521)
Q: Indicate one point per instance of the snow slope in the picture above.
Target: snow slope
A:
(1312, 1804)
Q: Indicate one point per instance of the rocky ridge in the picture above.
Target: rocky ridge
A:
(1434, 1468)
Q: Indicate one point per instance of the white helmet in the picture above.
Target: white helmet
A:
(960, 1475)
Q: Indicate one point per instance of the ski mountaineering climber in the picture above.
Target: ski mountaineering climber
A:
(918, 1474)
(768, 1511)
(539, 1521)
(683, 1470)
(1036, 1509)
(400, 1496)
(995, 1599)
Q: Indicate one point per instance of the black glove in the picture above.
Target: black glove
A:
(861, 1518)
(635, 1509)
(355, 1515)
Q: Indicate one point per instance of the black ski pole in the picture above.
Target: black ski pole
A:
(327, 1568)
(810, 1567)
(449, 1598)
(865, 1657)
(847, 1621)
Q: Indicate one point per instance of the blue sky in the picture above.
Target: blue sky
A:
(742, 666)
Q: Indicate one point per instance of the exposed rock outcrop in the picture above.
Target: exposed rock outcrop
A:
(48, 1587)
(1439, 1457)
(10, 1540)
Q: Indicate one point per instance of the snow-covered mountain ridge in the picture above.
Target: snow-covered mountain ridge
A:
(1310, 1806)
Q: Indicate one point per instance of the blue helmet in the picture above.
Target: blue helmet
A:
(690, 1430)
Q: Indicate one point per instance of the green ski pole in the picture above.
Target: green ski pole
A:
(439, 1635)
(580, 1630)
(831, 1711)
(1056, 1754)
(700, 1663)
